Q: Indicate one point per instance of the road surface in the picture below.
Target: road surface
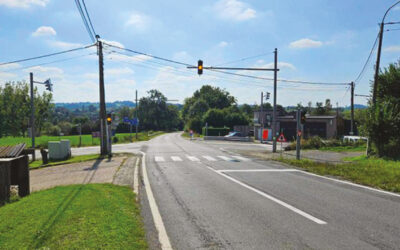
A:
(211, 198)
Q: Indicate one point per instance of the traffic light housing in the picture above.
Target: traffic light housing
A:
(200, 67)
(109, 119)
(49, 85)
(268, 95)
(303, 117)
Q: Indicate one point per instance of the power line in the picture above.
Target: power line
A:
(88, 16)
(368, 60)
(85, 22)
(224, 72)
(46, 63)
(243, 59)
(43, 56)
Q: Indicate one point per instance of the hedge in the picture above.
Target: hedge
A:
(216, 131)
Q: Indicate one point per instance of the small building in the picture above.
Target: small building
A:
(325, 126)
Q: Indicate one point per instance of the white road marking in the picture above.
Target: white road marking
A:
(209, 158)
(176, 158)
(192, 158)
(257, 170)
(158, 222)
(240, 158)
(284, 204)
(225, 158)
(159, 159)
(136, 179)
(352, 184)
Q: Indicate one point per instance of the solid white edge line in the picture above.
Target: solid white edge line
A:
(158, 222)
(284, 204)
(136, 179)
(351, 183)
(256, 170)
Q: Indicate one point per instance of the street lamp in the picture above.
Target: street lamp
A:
(49, 87)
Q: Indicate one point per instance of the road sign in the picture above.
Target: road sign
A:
(281, 138)
(132, 122)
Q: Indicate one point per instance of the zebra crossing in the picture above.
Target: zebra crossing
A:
(231, 158)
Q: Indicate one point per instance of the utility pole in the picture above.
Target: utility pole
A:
(103, 132)
(262, 116)
(352, 109)
(378, 62)
(137, 119)
(274, 113)
(298, 136)
(32, 118)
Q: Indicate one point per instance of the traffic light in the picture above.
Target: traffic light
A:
(49, 85)
(303, 117)
(268, 95)
(109, 119)
(200, 67)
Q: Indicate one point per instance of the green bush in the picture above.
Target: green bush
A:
(115, 139)
(216, 131)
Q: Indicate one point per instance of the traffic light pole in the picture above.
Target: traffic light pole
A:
(32, 118)
(262, 116)
(352, 109)
(103, 134)
(274, 134)
(298, 136)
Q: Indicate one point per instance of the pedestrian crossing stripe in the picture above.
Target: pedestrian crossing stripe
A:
(176, 158)
(240, 158)
(209, 158)
(159, 159)
(192, 158)
(225, 158)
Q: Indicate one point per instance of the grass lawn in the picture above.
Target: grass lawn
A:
(74, 159)
(378, 173)
(196, 135)
(87, 140)
(93, 216)
(358, 148)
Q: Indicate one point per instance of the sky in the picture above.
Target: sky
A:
(317, 40)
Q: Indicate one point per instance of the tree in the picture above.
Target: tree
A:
(155, 114)
(215, 118)
(383, 122)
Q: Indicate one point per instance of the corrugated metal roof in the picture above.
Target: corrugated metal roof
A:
(11, 151)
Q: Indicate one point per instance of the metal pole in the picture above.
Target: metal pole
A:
(274, 114)
(298, 138)
(32, 118)
(109, 135)
(80, 135)
(262, 116)
(137, 118)
(352, 109)
(103, 134)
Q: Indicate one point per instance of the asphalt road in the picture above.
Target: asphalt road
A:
(211, 198)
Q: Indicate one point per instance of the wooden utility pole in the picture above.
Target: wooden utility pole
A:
(103, 132)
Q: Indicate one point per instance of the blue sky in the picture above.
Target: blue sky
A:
(318, 40)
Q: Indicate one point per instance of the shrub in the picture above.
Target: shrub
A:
(115, 139)
(216, 131)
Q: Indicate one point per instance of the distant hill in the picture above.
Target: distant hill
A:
(356, 106)
(109, 105)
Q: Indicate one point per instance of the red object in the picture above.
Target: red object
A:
(265, 134)
(281, 138)
(299, 133)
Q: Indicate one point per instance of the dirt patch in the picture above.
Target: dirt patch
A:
(97, 171)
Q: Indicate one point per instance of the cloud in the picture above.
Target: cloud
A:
(281, 65)
(44, 31)
(305, 43)
(127, 59)
(114, 43)
(119, 71)
(223, 44)
(392, 49)
(138, 21)
(23, 3)
(64, 45)
(234, 10)
(50, 70)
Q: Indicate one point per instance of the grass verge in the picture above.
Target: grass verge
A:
(87, 140)
(93, 216)
(195, 135)
(358, 148)
(378, 173)
(74, 159)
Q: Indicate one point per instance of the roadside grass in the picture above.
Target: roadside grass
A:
(74, 159)
(358, 148)
(379, 173)
(87, 140)
(92, 216)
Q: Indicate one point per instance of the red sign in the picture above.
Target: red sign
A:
(281, 138)
(299, 133)
(265, 134)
